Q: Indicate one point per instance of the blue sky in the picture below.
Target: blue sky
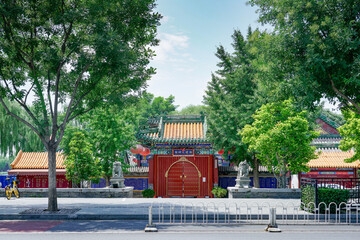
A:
(189, 33)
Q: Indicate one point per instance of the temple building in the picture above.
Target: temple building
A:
(31, 170)
(331, 161)
(182, 162)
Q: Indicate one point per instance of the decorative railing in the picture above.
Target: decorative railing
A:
(254, 213)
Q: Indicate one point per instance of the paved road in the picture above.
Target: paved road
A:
(125, 229)
(129, 208)
(134, 230)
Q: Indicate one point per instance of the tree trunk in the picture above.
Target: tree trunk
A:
(256, 172)
(282, 179)
(107, 180)
(52, 197)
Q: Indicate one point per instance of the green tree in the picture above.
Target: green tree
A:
(191, 110)
(281, 138)
(350, 132)
(111, 133)
(15, 136)
(5, 163)
(82, 53)
(320, 41)
(231, 98)
(81, 165)
(151, 106)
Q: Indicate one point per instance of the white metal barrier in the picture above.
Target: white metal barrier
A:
(254, 213)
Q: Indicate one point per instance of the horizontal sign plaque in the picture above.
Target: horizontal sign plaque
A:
(183, 152)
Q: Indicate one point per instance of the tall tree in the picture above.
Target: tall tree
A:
(111, 133)
(281, 138)
(350, 132)
(151, 106)
(14, 135)
(320, 39)
(75, 52)
(81, 164)
(231, 99)
(191, 110)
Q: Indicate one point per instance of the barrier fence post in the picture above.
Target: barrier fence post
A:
(150, 227)
(272, 227)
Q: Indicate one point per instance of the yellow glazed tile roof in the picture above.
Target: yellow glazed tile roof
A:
(36, 160)
(333, 158)
(183, 130)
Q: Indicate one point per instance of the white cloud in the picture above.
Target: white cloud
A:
(170, 46)
(164, 20)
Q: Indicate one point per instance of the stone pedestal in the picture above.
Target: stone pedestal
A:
(242, 182)
(283, 193)
(117, 182)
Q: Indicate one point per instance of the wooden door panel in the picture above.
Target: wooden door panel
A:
(175, 180)
(191, 180)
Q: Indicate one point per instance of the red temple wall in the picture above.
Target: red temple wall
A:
(41, 181)
(329, 129)
(162, 163)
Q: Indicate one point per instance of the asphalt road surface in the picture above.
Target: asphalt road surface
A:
(88, 230)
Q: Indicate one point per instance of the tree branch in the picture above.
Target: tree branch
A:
(22, 104)
(49, 96)
(28, 92)
(68, 112)
(22, 120)
(345, 97)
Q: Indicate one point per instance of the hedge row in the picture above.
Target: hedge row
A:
(324, 195)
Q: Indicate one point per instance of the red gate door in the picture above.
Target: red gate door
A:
(191, 180)
(183, 180)
(175, 180)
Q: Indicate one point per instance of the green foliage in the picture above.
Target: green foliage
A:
(308, 197)
(150, 106)
(330, 195)
(281, 138)
(82, 53)
(191, 110)
(335, 119)
(5, 163)
(15, 136)
(80, 161)
(231, 96)
(111, 132)
(148, 193)
(350, 132)
(219, 192)
(317, 45)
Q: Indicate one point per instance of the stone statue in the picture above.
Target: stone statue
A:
(243, 169)
(117, 179)
(242, 180)
(117, 171)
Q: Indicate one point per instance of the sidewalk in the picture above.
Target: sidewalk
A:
(120, 208)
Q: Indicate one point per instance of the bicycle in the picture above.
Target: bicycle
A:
(14, 189)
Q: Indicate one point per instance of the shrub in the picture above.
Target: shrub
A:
(148, 193)
(219, 192)
(330, 195)
(308, 196)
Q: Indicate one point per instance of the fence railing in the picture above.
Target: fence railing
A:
(351, 184)
(244, 213)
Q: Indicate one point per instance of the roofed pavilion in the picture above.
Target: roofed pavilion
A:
(182, 162)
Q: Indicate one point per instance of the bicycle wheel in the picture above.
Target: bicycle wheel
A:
(16, 192)
(8, 193)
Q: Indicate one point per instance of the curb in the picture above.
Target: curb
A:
(130, 217)
(67, 217)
